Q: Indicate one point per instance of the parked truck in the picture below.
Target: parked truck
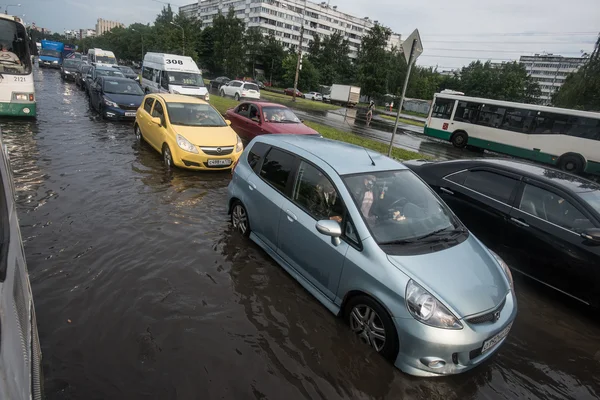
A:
(345, 95)
(51, 54)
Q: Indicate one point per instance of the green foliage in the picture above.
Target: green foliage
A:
(228, 47)
(272, 58)
(322, 54)
(581, 90)
(373, 61)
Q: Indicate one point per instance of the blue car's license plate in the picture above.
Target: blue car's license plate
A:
(494, 340)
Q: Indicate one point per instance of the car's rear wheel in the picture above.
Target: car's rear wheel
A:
(571, 163)
(373, 325)
(167, 156)
(239, 218)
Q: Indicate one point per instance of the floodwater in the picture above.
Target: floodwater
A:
(143, 292)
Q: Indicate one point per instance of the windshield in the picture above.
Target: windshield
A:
(126, 70)
(251, 86)
(85, 69)
(592, 198)
(122, 87)
(50, 53)
(185, 79)
(109, 72)
(193, 114)
(398, 207)
(280, 115)
(106, 60)
(70, 63)
(14, 49)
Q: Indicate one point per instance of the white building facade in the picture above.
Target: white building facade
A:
(283, 19)
(103, 26)
(190, 11)
(550, 71)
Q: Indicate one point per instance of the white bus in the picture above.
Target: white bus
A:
(568, 139)
(99, 56)
(170, 73)
(17, 94)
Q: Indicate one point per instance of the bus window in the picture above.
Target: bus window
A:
(587, 128)
(491, 116)
(443, 108)
(467, 112)
(14, 49)
(518, 120)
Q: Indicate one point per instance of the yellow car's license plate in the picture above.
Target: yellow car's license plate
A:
(220, 163)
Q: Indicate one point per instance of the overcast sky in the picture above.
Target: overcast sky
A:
(454, 32)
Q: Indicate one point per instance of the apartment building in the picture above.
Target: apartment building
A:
(283, 19)
(190, 10)
(550, 71)
(85, 33)
(103, 26)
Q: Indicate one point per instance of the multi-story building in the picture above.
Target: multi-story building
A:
(190, 11)
(550, 71)
(103, 26)
(284, 19)
(85, 33)
(71, 33)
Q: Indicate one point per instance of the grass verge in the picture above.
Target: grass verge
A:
(336, 134)
(222, 104)
(300, 104)
(403, 120)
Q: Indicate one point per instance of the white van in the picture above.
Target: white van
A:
(99, 56)
(169, 73)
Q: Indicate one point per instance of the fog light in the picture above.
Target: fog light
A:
(433, 362)
(26, 110)
(436, 364)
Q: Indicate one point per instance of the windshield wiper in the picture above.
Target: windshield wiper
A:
(430, 234)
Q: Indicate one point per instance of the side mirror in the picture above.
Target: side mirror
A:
(228, 122)
(592, 235)
(155, 120)
(330, 228)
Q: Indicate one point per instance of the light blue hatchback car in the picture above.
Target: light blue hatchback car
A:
(373, 243)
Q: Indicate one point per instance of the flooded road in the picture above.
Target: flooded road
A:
(143, 292)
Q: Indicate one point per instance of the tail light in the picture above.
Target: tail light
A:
(30, 96)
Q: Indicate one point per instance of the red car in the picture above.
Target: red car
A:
(250, 119)
(290, 92)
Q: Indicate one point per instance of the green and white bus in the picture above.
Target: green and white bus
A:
(17, 94)
(568, 139)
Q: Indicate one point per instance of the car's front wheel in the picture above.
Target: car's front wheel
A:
(373, 325)
(167, 156)
(222, 93)
(237, 97)
(239, 218)
(138, 133)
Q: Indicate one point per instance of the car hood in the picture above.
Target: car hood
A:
(70, 69)
(190, 90)
(208, 136)
(135, 99)
(466, 277)
(295, 129)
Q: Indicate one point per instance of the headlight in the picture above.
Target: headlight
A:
(20, 96)
(427, 309)
(54, 62)
(504, 267)
(110, 103)
(239, 146)
(184, 144)
(207, 97)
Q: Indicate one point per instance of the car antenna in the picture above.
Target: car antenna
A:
(371, 158)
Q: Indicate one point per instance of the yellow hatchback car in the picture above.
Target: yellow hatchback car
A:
(188, 132)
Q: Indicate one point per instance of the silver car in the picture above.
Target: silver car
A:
(373, 243)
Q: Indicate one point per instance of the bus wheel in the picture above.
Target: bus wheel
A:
(571, 163)
(459, 139)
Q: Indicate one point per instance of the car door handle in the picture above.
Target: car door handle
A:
(251, 186)
(291, 216)
(443, 189)
(519, 222)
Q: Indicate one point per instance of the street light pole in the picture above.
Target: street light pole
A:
(142, 36)
(183, 37)
(299, 53)
(11, 5)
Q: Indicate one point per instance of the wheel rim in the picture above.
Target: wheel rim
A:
(460, 139)
(569, 165)
(167, 158)
(367, 325)
(240, 219)
(138, 133)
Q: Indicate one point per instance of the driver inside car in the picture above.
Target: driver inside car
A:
(6, 55)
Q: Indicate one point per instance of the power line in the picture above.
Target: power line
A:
(516, 34)
(503, 42)
(491, 51)
(469, 58)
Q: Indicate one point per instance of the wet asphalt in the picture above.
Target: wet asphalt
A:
(142, 291)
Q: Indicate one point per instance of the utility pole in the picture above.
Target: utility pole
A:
(183, 37)
(299, 53)
(416, 48)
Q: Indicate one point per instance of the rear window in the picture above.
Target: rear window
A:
(251, 86)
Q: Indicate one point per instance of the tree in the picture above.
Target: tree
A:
(254, 42)
(321, 54)
(272, 59)
(372, 61)
(308, 78)
(229, 44)
(581, 90)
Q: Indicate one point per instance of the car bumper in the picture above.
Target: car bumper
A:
(118, 114)
(18, 109)
(70, 76)
(456, 351)
(255, 96)
(184, 159)
(48, 64)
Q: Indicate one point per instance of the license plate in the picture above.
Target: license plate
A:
(130, 113)
(224, 162)
(494, 340)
